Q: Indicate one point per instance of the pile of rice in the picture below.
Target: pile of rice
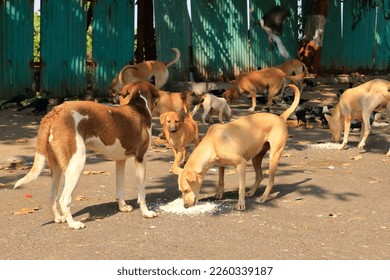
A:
(325, 146)
(202, 207)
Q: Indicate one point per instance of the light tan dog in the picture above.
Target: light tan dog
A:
(233, 144)
(176, 101)
(180, 130)
(251, 83)
(357, 104)
(210, 104)
(294, 67)
(116, 132)
(144, 71)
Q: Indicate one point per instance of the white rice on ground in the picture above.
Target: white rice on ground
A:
(325, 146)
(202, 207)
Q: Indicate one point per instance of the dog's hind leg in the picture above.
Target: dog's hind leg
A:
(257, 161)
(221, 182)
(273, 164)
(72, 175)
(120, 186)
(140, 171)
(55, 181)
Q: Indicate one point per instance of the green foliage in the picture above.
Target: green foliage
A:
(37, 36)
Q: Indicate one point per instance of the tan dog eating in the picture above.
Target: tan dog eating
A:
(233, 144)
(357, 104)
(180, 130)
(116, 132)
(251, 83)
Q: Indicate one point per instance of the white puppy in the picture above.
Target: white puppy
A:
(213, 103)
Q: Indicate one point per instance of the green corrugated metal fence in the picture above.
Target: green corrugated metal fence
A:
(63, 47)
(112, 40)
(16, 47)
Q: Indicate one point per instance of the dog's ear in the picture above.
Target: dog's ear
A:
(162, 118)
(190, 175)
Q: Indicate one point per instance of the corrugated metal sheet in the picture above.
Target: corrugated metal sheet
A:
(365, 47)
(262, 54)
(220, 38)
(16, 47)
(63, 47)
(112, 40)
(173, 31)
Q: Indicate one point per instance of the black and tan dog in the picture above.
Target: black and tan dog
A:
(233, 144)
(116, 132)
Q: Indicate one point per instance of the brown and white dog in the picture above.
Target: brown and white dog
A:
(176, 101)
(116, 132)
(147, 70)
(294, 67)
(357, 104)
(180, 130)
(233, 144)
(253, 82)
(212, 103)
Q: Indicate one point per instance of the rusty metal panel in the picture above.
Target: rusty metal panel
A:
(220, 38)
(262, 53)
(63, 47)
(112, 40)
(173, 31)
(16, 47)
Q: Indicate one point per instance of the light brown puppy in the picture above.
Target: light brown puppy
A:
(180, 130)
(294, 67)
(251, 83)
(175, 101)
(116, 132)
(357, 104)
(233, 144)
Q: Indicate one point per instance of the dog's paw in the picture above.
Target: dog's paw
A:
(125, 208)
(59, 219)
(240, 207)
(149, 214)
(250, 193)
(219, 195)
(261, 199)
(76, 225)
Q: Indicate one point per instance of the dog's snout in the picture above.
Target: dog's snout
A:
(172, 130)
(186, 205)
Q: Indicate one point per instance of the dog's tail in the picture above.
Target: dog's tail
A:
(294, 105)
(175, 59)
(123, 70)
(42, 142)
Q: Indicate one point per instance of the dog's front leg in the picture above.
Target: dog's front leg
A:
(253, 95)
(140, 171)
(221, 183)
(120, 186)
(366, 128)
(347, 127)
(241, 169)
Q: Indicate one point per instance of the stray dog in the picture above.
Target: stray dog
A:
(213, 103)
(357, 104)
(175, 101)
(116, 132)
(39, 105)
(180, 130)
(294, 67)
(271, 78)
(145, 71)
(233, 144)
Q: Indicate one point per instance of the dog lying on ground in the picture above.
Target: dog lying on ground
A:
(116, 132)
(145, 71)
(180, 130)
(233, 144)
(253, 82)
(176, 101)
(294, 67)
(212, 104)
(357, 104)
